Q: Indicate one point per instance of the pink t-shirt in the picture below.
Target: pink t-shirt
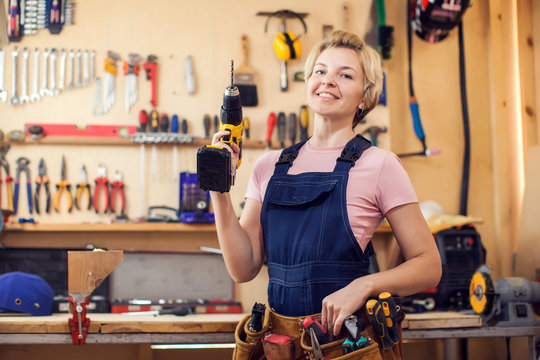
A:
(377, 183)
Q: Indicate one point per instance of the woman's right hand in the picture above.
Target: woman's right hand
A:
(233, 149)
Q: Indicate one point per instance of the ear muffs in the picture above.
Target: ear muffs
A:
(287, 46)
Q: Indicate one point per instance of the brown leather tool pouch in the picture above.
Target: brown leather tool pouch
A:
(334, 349)
(248, 344)
(278, 347)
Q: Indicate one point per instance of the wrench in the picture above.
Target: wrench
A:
(62, 69)
(98, 106)
(14, 56)
(93, 65)
(34, 96)
(79, 69)
(71, 69)
(3, 92)
(86, 69)
(52, 83)
(24, 98)
(45, 76)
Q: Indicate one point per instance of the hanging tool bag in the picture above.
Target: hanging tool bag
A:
(285, 338)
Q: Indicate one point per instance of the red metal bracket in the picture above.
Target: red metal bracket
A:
(79, 323)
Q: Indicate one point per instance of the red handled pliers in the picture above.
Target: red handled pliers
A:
(101, 182)
(117, 187)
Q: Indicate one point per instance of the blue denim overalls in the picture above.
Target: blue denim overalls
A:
(311, 250)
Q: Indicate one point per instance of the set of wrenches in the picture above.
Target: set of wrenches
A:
(79, 65)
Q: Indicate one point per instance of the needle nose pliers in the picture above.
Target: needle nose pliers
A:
(42, 180)
(5, 165)
(101, 182)
(63, 186)
(22, 165)
(83, 187)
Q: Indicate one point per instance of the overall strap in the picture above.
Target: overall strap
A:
(287, 157)
(352, 152)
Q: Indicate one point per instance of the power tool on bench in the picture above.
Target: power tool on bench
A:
(506, 302)
(214, 171)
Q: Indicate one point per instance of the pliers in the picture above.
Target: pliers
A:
(118, 188)
(103, 182)
(4, 164)
(42, 180)
(22, 165)
(63, 186)
(317, 352)
(83, 187)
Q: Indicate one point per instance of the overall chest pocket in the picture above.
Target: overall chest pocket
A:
(300, 194)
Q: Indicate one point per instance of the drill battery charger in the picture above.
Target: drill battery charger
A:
(214, 171)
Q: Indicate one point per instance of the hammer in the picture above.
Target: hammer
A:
(374, 132)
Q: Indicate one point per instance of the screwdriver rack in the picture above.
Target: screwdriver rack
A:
(162, 138)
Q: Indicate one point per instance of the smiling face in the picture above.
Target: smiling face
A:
(335, 88)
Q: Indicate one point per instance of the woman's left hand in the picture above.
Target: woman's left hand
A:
(337, 306)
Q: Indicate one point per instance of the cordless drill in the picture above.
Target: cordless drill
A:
(214, 162)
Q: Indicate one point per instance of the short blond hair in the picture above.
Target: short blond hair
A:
(369, 58)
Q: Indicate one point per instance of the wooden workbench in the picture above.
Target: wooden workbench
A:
(219, 328)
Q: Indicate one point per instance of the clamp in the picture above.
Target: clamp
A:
(101, 182)
(79, 323)
(22, 163)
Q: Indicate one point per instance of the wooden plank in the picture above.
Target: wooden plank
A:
(119, 324)
(88, 269)
(440, 320)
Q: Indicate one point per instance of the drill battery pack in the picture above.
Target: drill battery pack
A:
(213, 169)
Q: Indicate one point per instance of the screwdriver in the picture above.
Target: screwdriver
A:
(292, 127)
(270, 123)
(143, 120)
(378, 321)
(390, 312)
(164, 123)
(281, 127)
(174, 130)
(206, 123)
(304, 122)
(154, 127)
(245, 123)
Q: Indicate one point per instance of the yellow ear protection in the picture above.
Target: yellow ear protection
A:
(287, 46)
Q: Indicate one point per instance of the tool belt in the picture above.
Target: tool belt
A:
(252, 345)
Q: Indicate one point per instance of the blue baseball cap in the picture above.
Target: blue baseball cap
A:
(25, 293)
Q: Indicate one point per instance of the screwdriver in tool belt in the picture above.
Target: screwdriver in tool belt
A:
(390, 312)
(378, 321)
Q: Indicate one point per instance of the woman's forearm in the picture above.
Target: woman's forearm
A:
(240, 253)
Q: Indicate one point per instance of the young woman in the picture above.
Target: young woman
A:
(311, 211)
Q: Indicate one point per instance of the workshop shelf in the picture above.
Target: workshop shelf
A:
(114, 227)
(119, 141)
